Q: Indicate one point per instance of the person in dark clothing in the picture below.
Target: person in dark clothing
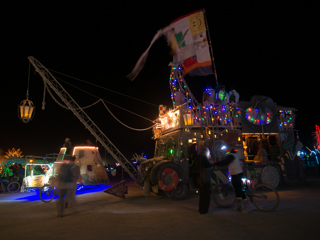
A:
(67, 145)
(235, 170)
(192, 154)
(64, 185)
(20, 174)
(202, 177)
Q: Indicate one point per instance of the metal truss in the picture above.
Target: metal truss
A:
(49, 79)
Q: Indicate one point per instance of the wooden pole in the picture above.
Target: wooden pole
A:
(210, 45)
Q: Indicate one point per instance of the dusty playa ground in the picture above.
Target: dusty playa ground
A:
(102, 216)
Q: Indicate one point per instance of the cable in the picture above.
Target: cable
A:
(106, 101)
(125, 124)
(102, 87)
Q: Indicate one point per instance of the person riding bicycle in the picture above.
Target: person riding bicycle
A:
(236, 172)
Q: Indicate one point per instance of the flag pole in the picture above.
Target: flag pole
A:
(212, 58)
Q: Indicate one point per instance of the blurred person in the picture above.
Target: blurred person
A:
(234, 96)
(262, 155)
(202, 168)
(192, 154)
(89, 143)
(71, 199)
(20, 174)
(64, 185)
(223, 95)
(10, 173)
(15, 170)
(67, 145)
(233, 162)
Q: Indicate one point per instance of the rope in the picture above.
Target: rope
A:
(106, 101)
(102, 87)
(28, 81)
(63, 105)
(57, 102)
(103, 102)
(125, 124)
(44, 95)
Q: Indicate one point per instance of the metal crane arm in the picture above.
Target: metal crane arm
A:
(84, 118)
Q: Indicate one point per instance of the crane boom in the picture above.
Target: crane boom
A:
(49, 79)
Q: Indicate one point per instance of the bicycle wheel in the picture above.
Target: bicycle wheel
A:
(265, 197)
(224, 195)
(47, 194)
(13, 187)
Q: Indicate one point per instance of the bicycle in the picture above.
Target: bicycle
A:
(14, 186)
(47, 193)
(263, 196)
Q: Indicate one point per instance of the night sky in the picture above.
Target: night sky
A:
(262, 48)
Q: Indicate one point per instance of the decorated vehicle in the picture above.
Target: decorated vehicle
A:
(250, 127)
(92, 171)
(37, 174)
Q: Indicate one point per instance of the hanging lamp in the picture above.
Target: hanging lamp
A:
(26, 108)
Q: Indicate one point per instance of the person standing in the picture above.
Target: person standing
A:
(202, 168)
(234, 102)
(235, 170)
(234, 99)
(67, 145)
(20, 174)
(71, 199)
(64, 186)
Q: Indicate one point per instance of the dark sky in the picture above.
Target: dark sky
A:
(262, 48)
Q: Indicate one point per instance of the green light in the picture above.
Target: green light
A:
(171, 151)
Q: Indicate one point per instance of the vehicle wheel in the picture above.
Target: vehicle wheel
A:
(224, 195)
(270, 175)
(47, 194)
(168, 177)
(265, 197)
(180, 192)
(13, 187)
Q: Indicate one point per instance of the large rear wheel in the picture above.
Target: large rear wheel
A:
(47, 194)
(180, 192)
(265, 197)
(224, 195)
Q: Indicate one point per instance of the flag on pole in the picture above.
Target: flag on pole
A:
(187, 37)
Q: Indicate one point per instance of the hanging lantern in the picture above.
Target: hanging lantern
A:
(26, 110)
(26, 107)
